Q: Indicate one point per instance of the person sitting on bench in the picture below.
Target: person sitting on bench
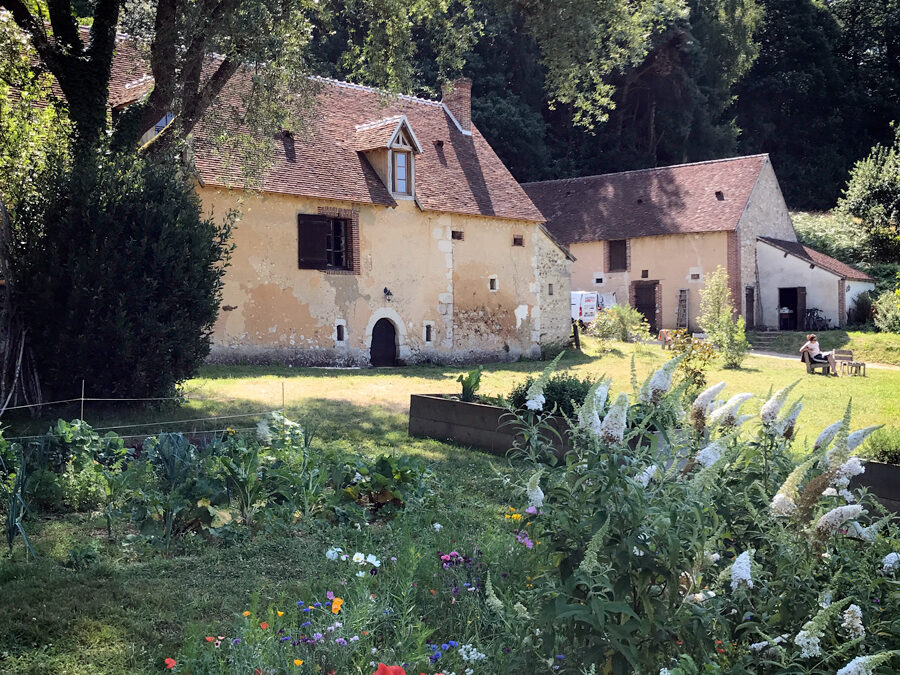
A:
(817, 355)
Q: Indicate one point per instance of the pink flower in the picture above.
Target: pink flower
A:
(531, 511)
(330, 595)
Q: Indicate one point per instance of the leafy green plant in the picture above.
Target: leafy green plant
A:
(620, 322)
(561, 390)
(16, 506)
(471, 381)
(862, 310)
(887, 312)
(717, 319)
(241, 467)
(884, 445)
(698, 358)
(380, 487)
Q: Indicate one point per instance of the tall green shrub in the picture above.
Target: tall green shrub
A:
(717, 319)
(887, 312)
(118, 277)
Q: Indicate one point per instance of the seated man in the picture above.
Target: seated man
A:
(817, 355)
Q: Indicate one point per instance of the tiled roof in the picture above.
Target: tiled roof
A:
(455, 173)
(700, 197)
(814, 257)
(374, 135)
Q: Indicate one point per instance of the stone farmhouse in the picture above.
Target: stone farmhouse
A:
(387, 232)
(652, 236)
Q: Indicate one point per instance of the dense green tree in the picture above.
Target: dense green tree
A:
(118, 276)
(872, 198)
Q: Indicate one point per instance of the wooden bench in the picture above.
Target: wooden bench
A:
(845, 356)
(811, 365)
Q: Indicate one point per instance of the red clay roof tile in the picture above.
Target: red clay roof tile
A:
(815, 257)
(649, 202)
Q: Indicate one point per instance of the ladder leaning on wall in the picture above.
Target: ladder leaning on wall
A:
(681, 313)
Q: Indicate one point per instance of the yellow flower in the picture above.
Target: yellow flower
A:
(512, 510)
(517, 516)
(280, 613)
(298, 662)
(336, 605)
(246, 613)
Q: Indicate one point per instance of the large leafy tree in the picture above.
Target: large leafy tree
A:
(872, 198)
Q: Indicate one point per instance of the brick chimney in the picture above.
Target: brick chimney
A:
(457, 96)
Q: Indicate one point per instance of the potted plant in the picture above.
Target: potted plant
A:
(882, 474)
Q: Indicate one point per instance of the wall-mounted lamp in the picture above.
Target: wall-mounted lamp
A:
(387, 294)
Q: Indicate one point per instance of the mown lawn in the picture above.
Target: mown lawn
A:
(318, 394)
(130, 609)
(867, 346)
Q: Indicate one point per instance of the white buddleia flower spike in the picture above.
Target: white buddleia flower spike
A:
(535, 395)
(770, 409)
(785, 426)
(711, 454)
(857, 437)
(645, 476)
(612, 429)
(706, 397)
(890, 563)
(741, 571)
(831, 521)
(782, 505)
(533, 491)
(866, 665)
(727, 414)
(827, 435)
(594, 402)
(852, 623)
(660, 383)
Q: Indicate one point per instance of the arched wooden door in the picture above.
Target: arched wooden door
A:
(384, 344)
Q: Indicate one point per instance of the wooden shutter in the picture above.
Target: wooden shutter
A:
(312, 234)
(801, 308)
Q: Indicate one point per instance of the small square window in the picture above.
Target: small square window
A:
(518, 240)
(459, 235)
(598, 281)
(340, 332)
(429, 330)
(549, 289)
(695, 277)
(645, 274)
(492, 283)
(720, 195)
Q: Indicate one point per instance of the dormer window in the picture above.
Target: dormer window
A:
(391, 147)
(402, 183)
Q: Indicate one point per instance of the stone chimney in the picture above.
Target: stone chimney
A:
(457, 96)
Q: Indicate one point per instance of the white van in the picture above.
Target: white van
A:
(584, 306)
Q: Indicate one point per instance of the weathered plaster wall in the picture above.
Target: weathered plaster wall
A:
(272, 310)
(552, 323)
(778, 270)
(766, 215)
(671, 260)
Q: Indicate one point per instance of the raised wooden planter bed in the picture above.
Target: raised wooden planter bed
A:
(473, 424)
(882, 480)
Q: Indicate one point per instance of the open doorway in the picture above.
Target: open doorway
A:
(791, 308)
(384, 344)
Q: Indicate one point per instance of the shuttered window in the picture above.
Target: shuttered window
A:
(323, 243)
(618, 255)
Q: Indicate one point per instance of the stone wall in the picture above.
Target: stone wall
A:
(766, 215)
(411, 271)
(552, 319)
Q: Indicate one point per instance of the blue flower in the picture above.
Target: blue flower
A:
(434, 657)
(560, 656)
(306, 609)
(317, 604)
(445, 646)
(305, 623)
(452, 643)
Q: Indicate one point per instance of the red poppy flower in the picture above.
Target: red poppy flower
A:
(389, 670)
(209, 639)
(263, 625)
(170, 663)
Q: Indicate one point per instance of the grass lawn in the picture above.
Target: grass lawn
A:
(319, 394)
(867, 346)
(128, 611)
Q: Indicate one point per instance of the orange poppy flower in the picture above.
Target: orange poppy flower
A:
(336, 605)
(170, 663)
(389, 670)
(209, 639)
(280, 613)
(264, 625)
(298, 662)
(247, 613)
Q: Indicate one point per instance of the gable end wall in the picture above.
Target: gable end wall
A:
(766, 215)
